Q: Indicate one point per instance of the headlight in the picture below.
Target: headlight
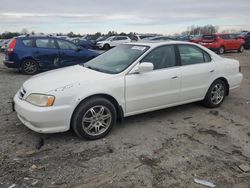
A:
(40, 100)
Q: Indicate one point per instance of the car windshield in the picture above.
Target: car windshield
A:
(117, 59)
(109, 39)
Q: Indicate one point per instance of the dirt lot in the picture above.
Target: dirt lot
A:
(166, 148)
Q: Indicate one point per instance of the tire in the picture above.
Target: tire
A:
(106, 47)
(94, 118)
(215, 94)
(241, 49)
(30, 67)
(221, 50)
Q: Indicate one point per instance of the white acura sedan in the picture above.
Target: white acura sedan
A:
(130, 79)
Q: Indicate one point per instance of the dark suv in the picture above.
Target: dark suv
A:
(33, 53)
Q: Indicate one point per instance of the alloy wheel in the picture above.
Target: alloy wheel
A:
(30, 67)
(217, 93)
(96, 120)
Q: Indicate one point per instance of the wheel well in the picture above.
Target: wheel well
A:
(226, 83)
(119, 110)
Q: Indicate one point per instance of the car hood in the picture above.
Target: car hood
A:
(101, 42)
(55, 79)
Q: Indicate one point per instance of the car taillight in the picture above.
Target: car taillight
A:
(11, 46)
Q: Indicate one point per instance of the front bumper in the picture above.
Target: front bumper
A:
(43, 119)
(99, 46)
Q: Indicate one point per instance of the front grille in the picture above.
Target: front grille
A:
(22, 92)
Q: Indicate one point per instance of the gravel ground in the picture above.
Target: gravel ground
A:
(166, 148)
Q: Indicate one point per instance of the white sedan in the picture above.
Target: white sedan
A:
(130, 79)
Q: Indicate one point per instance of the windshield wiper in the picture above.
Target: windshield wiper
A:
(94, 68)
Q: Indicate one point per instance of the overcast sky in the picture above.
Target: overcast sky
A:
(142, 16)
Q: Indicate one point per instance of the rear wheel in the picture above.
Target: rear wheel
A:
(94, 118)
(221, 50)
(215, 94)
(106, 47)
(30, 67)
(241, 49)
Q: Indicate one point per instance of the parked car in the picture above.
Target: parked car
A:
(5, 44)
(112, 42)
(129, 79)
(183, 38)
(243, 34)
(247, 41)
(139, 37)
(160, 38)
(223, 42)
(196, 39)
(32, 54)
(83, 43)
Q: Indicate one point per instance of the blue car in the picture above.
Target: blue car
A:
(30, 54)
(84, 43)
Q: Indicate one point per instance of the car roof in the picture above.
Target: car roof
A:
(158, 43)
(36, 36)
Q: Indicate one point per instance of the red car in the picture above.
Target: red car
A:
(223, 42)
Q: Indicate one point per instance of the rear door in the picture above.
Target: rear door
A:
(69, 53)
(197, 71)
(227, 42)
(235, 43)
(46, 52)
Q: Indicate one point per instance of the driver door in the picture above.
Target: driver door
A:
(157, 88)
(69, 54)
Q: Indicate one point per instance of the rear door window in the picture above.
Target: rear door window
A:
(190, 54)
(45, 43)
(232, 36)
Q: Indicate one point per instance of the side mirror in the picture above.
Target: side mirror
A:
(143, 67)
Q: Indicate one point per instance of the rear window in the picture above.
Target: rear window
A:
(224, 36)
(208, 37)
(28, 42)
(45, 43)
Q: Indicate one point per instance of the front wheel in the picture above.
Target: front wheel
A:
(106, 47)
(30, 67)
(215, 94)
(94, 118)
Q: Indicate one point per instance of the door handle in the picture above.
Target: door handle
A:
(212, 71)
(174, 77)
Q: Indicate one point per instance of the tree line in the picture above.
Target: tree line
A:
(191, 30)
